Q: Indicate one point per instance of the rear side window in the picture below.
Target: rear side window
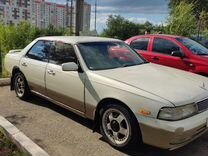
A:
(140, 44)
(164, 46)
(62, 53)
(40, 51)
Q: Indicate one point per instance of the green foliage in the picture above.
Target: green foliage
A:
(7, 147)
(67, 32)
(200, 10)
(182, 20)
(119, 27)
(18, 37)
(205, 33)
(204, 20)
(199, 5)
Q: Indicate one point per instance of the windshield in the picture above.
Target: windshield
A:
(108, 55)
(193, 46)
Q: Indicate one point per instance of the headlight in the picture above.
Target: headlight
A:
(177, 113)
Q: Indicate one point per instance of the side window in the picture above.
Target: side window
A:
(140, 44)
(62, 53)
(164, 46)
(39, 51)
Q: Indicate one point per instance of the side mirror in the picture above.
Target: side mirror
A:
(71, 66)
(178, 54)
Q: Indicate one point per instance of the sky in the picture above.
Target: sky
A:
(139, 11)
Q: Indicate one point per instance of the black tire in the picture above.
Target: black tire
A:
(132, 138)
(20, 86)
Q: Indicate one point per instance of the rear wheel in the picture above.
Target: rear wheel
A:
(119, 127)
(20, 86)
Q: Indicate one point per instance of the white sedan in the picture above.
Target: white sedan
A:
(129, 99)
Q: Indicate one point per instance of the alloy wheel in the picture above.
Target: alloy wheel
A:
(19, 85)
(116, 126)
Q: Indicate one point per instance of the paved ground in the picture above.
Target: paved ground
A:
(62, 133)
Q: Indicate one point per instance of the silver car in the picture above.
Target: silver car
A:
(129, 99)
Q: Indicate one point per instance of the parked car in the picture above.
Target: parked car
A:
(173, 51)
(201, 39)
(129, 99)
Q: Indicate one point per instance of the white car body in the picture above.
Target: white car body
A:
(144, 87)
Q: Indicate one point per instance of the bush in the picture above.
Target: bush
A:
(7, 147)
(182, 20)
(18, 37)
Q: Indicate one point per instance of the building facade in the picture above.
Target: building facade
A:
(14, 11)
(86, 16)
(41, 13)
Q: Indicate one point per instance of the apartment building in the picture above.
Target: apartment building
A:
(47, 13)
(86, 16)
(14, 11)
(41, 13)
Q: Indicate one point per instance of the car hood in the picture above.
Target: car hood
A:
(176, 86)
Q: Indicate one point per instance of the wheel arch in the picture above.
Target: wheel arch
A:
(107, 101)
(14, 71)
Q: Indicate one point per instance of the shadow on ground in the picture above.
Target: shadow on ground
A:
(45, 103)
(194, 149)
(16, 119)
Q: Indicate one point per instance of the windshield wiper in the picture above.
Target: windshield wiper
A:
(128, 65)
(145, 62)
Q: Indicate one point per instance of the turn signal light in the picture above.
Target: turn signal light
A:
(144, 112)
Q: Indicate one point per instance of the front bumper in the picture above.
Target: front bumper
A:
(172, 135)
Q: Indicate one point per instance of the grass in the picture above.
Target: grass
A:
(7, 148)
(4, 73)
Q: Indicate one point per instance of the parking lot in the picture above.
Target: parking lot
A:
(62, 133)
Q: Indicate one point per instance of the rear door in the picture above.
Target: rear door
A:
(141, 45)
(161, 54)
(33, 65)
(66, 87)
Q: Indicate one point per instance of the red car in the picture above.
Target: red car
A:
(174, 51)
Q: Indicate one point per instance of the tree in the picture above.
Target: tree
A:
(204, 20)
(199, 5)
(182, 20)
(200, 11)
(148, 26)
(118, 27)
(67, 32)
(121, 28)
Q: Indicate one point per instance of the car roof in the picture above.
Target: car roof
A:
(77, 39)
(162, 35)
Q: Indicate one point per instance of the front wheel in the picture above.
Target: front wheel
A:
(20, 86)
(119, 127)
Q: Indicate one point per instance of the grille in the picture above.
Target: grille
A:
(202, 105)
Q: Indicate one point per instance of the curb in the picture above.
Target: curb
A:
(22, 141)
(4, 81)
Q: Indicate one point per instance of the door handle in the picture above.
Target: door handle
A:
(155, 58)
(51, 72)
(24, 64)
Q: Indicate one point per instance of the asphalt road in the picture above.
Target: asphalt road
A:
(62, 133)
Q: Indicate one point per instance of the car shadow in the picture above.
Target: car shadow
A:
(36, 100)
(195, 148)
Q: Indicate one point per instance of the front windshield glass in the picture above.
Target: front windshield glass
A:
(108, 55)
(193, 46)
